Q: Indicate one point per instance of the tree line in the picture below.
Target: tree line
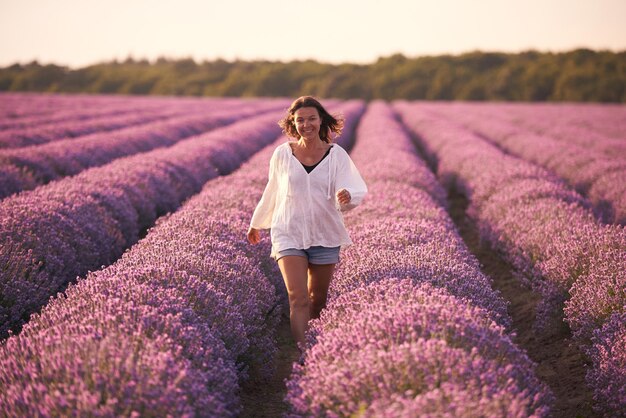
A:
(579, 75)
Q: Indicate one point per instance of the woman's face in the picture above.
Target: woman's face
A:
(308, 122)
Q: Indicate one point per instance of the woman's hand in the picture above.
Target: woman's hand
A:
(254, 237)
(343, 197)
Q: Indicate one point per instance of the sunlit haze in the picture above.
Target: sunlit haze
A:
(77, 33)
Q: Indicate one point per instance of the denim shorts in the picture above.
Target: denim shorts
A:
(315, 254)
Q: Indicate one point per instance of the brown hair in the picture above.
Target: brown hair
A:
(329, 123)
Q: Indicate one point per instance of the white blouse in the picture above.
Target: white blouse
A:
(301, 208)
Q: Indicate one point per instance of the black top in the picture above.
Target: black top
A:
(310, 168)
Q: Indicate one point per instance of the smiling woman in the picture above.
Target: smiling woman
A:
(306, 223)
(321, 122)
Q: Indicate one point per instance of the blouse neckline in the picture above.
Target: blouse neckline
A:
(310, 168)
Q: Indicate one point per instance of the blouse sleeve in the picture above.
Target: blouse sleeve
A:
(262, 216)
(349, 178)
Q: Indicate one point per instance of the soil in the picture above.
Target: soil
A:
(264, 397)
(559, 362)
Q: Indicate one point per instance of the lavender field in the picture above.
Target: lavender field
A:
(487, 276)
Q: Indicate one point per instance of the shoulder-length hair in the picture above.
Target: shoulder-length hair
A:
(329, 124)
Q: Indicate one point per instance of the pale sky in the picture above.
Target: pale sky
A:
(82, 32)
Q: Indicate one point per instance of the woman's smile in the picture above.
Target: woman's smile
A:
(308, 122)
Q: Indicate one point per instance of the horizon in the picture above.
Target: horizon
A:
(77, 34)
(200, 61)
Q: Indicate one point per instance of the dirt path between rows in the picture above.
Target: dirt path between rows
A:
(559, 363)
(264, 398)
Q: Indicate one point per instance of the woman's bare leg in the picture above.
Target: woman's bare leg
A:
(319, 280)
(294, 271)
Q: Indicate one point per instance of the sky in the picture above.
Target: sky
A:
(77, 33)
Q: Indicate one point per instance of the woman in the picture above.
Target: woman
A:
(311, 181)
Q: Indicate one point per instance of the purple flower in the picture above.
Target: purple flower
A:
(608, 374)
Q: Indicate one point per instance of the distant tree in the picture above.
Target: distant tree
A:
(577, 75)
(539, 79)
(441, 86)
(36, 77)
(185, 66)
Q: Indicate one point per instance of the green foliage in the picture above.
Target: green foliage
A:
(578, 75)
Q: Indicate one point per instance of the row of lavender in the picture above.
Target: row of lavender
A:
(79, 111)
(413, 328)
(23, 137)
(52, 234)
(588, 125)
(15, 106)
(23, 110)
(596, 169)
(28, 167)
(181, 318)
(52, 131)
(547, 231)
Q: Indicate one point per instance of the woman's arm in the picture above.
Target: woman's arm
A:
(350, 186)
(262, 216)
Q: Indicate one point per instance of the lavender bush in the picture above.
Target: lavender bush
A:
(198, 297)
(16, 106)
(384, 345)
(598, 125)
(81, 112)
(594, 171)
(608, 374)
(18, 110)
(116, 113)
(517, 205)
(52, 234)
(407, 230)
(397, 339)
(116, 346)
(544, 229)
(25, 168)
(21, 137)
